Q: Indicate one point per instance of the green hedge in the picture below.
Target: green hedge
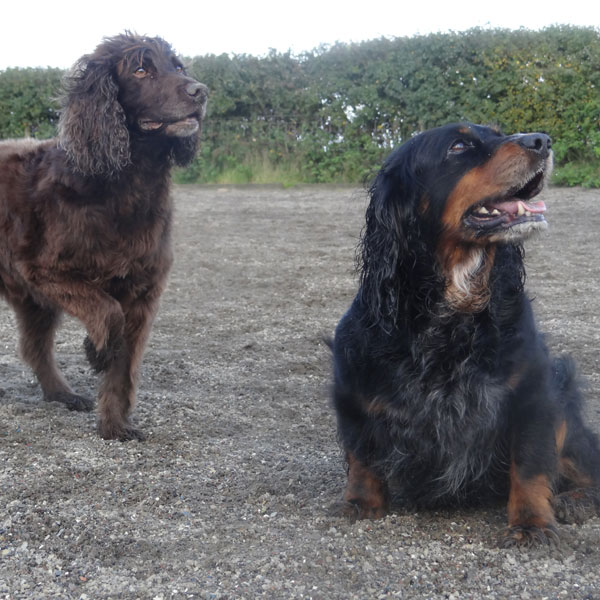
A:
(27, 107)
(332, 114)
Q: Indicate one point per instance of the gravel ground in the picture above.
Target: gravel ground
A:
(231, 495)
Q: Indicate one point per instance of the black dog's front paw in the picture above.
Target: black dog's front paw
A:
(523, 536)
(576, 506)
(71, 401)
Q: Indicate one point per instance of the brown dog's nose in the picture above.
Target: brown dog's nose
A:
(195, 89)
(537, 142)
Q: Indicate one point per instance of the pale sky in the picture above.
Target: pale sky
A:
(56, 32)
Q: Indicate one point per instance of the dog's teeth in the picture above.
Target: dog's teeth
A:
(483, 211)
(527, 213)
(495, 212)
(521, 210)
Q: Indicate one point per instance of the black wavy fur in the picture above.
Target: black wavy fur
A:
(439, 404)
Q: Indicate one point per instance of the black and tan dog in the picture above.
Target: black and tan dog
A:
(444, 389)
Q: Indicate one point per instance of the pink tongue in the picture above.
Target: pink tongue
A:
(512, 207)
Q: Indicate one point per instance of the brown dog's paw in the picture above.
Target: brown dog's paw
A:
(123, 433)
(71, 401)
(576, 506)
(529, 536)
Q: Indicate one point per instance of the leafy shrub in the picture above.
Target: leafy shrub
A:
(333, 114)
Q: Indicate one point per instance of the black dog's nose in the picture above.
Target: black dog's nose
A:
(537, 142)
(195, 89)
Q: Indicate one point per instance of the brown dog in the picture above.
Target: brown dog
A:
(85, 218)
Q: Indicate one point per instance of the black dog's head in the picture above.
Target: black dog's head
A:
(130, 87)
(441, 204)
(481, 184)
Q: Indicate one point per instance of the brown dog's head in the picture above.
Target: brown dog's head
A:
(130, 88)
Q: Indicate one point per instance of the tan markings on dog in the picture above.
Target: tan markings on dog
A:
(376, 406)
(571, 472)
(423, 205)
(515, 378)
(505, 169)
(561, 434)
(365, 491)
(467, 263)
(466, 269)
(529, 501)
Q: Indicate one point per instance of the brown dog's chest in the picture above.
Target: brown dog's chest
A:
(118, 245)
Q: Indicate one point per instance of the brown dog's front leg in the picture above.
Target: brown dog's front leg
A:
(116, 399)
(117, 394)
(105, 322)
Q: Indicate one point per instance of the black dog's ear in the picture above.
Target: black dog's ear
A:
(390, 244)
(92, 126)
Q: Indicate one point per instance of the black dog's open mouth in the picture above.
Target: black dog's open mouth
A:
(181, 128)
(514, 208)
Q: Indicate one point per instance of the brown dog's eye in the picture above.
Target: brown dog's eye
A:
(140, 72)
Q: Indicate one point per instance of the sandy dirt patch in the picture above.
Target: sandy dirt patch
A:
(230, 495)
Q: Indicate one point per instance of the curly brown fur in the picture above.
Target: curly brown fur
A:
(85, 218)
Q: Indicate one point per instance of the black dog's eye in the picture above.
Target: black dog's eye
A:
(179, 68)
(140, 72)
(459, 146)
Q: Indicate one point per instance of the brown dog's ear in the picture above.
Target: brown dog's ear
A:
(92, 126)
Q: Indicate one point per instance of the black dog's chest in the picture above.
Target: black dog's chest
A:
(444, 431)
(445, 410)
